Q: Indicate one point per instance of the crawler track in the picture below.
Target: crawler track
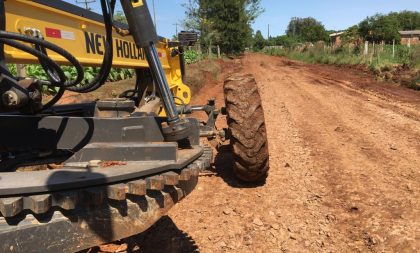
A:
(69, 221)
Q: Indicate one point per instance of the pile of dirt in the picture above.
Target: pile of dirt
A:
(360, 78)
(400, 74)
(406, 76)
(201, 73)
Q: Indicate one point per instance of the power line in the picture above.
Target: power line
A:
(86, 3)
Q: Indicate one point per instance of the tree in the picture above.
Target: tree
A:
(226, 23)
(351, 35)
(307, 30)
(259, 41)
(192, 19)
(380, 28)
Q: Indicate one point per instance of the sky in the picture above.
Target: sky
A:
(335, 15)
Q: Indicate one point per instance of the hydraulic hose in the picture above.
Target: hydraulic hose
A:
(9, 38)
(57, 82)
(106, 66)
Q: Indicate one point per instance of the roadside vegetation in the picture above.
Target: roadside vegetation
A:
(381, 58)
(192, 56)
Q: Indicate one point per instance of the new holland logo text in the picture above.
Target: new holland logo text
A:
(95, 44)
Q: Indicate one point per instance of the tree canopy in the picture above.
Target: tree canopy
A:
(382, 27)
(306, 30)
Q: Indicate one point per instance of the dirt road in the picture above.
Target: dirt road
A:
(345, 163)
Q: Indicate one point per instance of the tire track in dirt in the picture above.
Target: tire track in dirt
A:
(364, 166)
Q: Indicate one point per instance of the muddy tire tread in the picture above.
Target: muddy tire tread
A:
(248, 134)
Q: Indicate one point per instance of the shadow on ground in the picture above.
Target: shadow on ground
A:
(223, 166)
(163, 237)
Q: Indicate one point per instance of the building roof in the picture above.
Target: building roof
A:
(414, 32)
(336, 34)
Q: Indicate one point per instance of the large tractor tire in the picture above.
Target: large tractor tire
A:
(247, 130)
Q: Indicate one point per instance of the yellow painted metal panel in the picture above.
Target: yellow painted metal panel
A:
(83, 38)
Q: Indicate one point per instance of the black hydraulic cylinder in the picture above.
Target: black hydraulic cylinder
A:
(160, 78)
(182, 62)
(145, 36)
(2, 28)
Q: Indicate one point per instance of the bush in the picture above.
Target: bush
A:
(275, 51)
(12, 69)
(192, 56)
(415, 57)
(404, 55)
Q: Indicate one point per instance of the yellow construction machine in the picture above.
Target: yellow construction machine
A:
(122, 163)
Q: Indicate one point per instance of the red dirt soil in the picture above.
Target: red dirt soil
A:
(345, 163)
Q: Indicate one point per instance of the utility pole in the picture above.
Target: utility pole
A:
(86, 3)
(154, 14)
(176, 28)
(268, 36)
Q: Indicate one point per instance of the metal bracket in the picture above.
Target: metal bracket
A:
(207, 129)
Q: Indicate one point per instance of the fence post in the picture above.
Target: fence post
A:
(393, 48)
(199, 47)
(200, 53)
(366, 48)
(374, 48)
(218, 52)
